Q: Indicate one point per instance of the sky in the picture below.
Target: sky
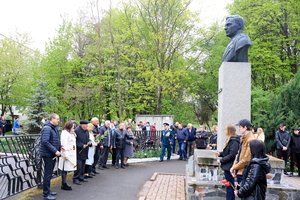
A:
(41, 18)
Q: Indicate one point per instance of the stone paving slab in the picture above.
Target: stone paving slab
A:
(164, 186)
(293, 181)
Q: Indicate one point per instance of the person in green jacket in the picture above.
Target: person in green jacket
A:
(166, 142)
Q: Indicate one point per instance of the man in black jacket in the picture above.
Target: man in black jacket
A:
(283, 139)
(50, 147)
(119, 144)
(82, 144)
(295, 150)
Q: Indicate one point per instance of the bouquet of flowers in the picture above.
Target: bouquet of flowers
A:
(227, 183)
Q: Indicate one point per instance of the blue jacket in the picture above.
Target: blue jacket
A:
(166, 137)
(50, 142)
(181, 135)
(190, 134)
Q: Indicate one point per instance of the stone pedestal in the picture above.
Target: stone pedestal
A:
(234, 101)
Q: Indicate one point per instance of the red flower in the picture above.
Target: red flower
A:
(227, 183)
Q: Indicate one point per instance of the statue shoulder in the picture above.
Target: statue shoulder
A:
(242, 40)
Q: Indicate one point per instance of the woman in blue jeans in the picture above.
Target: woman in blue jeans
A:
(228, 156)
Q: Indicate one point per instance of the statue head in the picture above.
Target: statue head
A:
(233, 25)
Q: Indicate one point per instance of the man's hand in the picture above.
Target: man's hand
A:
(284, 148)
(57, 153)
(233, 172)
(236, 193)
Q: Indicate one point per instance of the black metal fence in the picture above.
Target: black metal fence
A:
(21, 166)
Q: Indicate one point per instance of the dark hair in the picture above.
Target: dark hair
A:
(69, 125)
(257, 148)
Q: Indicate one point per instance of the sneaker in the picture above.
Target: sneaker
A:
(49, 197)
(53, 193)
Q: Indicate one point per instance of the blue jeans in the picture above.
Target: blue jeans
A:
(229, 190)
(49, 164)
(182, 150)
(163, 151)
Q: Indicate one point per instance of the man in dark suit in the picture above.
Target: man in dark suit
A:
(82, 144)
(50, 147)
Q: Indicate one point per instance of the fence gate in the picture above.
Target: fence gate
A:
(20, 164)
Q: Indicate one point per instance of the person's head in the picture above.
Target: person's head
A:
(260, 131)
(257, 149)
(296, 131)
(69, 126)
(129, 128)
(90, 127)
(189, 126)
(215, 129)
(122, 126)
(166, 126)
(180, 126)
(84, 124)
(95, 121)
(244, 125)
(282, 126)
(129, 120)
(176, 124)
(230, 130)
(233, 25)
(54, 119)
(107, 123)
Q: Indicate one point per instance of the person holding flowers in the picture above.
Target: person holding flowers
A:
(227, 158)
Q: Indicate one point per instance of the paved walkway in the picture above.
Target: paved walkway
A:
(164, 186)
(116, 184)
(292, 181)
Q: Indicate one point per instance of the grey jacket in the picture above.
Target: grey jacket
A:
(283, 139)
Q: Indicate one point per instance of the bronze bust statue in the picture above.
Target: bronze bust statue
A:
(237, 49)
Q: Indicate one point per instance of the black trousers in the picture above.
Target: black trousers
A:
(78, 174)
(295, 158)
(120, 155)
(96, 158)
(284, 155)
(49, 164)
(103, 156)
(114, 156)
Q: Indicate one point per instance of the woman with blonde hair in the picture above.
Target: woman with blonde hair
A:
(92, 149)
(228, 154)
(260, 135)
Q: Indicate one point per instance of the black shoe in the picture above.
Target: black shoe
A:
(92, 174)
(117, 167)
(53, 193)
(95, 172)
(180, 158)
(105, 167)
(82, 180)
(126, 165)
(101, 168)
(50, 197)
(161, 160)
(76, 182)
(65, 186)
(88, 176)
(285, 173)
(291, 174)
(122, 167)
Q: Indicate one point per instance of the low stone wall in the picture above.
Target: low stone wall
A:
(203, 176)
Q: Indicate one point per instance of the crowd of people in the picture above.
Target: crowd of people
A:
(81, 148)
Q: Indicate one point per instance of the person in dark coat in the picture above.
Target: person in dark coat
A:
(181, 137)
(295, 151)
(120, 143)
(190, 139)
(82, 144)
(283, 139)
(166, 142)
(50, 148)
(254, 182)
(213, 138)
(106, 144)
(228, 156)
(201, 138)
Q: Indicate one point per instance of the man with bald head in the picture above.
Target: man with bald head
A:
(237, 49)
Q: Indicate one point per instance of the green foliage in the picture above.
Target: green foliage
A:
(148, 153)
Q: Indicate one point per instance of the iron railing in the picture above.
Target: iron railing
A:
(21, 166)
